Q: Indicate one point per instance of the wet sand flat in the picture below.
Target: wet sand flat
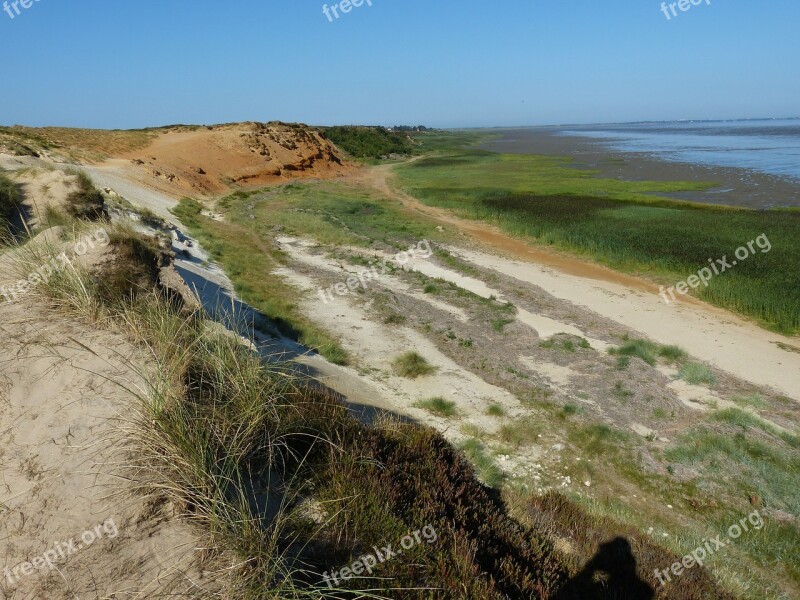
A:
(735, 187)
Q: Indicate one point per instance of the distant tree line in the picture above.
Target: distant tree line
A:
(410, 128)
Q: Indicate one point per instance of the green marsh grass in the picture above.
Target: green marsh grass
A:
(623, 224)
(488, 470)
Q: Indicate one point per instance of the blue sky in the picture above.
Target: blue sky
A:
(126, 63)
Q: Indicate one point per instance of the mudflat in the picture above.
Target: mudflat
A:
(734, 186)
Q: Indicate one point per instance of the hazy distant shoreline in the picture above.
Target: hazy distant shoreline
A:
(737, 186)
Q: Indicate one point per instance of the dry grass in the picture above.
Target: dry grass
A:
(80, 144)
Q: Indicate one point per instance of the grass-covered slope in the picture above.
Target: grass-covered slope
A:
(622, 224)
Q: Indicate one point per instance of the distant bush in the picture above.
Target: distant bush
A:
(368, 142)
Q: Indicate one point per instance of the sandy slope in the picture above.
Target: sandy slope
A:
(207, 160)
(62, 402)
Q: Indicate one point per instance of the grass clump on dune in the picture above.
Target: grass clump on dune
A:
(86, 202)
(495, 410)
(438, 406)
(412, 365)
(648, 351)
(9, 205)
(697, 374)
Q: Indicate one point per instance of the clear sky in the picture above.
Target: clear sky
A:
(444, 63)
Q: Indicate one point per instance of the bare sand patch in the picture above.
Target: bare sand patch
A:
(63, 399)
(722, 339)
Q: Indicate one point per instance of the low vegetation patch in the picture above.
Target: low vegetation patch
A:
(438, 406)
(697, 374)
(412, 365)
(86, 203)
(9, 205)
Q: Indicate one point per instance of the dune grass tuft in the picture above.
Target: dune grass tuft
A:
(697, 374)
(412, 365)
(438, 406)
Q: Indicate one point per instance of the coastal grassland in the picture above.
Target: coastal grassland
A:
(332, 213)
(623, 224)
(341, 214)
(706, 480)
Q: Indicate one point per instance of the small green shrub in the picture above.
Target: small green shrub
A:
(570, 410)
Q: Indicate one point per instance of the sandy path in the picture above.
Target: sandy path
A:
(719, 337)
(114, 174)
